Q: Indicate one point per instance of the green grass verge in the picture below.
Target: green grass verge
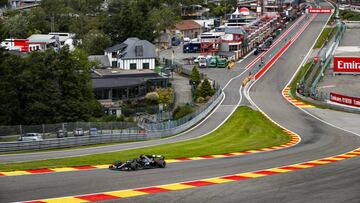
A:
(245, 130)
(322, 37)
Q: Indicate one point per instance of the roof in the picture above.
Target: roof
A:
(187, 25)
(38, 38)
(235, 30)
(124, 80)
(226, 53)
(102, 59)
(116, 47)
(130, 45)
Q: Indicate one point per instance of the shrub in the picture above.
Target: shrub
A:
(195, 77)
(165, 95)
(152, 98)
(205, 89)
(200, 100)
(182, 111)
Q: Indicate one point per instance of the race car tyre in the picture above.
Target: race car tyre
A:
(117, 163)
(134, 166)
(161, 164)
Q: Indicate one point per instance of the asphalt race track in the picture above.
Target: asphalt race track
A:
(337, 182)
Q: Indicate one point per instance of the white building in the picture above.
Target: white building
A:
(132, 54)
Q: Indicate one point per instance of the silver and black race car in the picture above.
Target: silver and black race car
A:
(143, 162)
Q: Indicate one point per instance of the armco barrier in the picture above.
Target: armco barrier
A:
(107, 138)
(187, 125)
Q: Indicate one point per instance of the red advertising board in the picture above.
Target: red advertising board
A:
(346, 100)
(319, 10)
(346, 64)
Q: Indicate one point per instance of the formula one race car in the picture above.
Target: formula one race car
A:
(143, 162)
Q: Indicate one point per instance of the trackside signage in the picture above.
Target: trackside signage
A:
(346, 100)
(319, 10)
(347, 65)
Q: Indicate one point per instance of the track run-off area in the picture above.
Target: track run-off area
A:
(323, 167)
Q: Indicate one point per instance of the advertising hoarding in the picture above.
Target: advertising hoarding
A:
(346, 65)
(346, 100)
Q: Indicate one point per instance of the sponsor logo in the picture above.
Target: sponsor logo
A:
(346, 64)
(319, 10)
(346, 100)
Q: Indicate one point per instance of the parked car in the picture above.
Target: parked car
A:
(93, 132)
(203, 63)
(61, 133)
(198, 59)
(31, 137)
(78, 132)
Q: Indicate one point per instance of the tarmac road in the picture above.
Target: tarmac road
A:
(338, 182)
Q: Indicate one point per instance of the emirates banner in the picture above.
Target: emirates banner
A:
(346, 64)
(319, 10)
(346, 100)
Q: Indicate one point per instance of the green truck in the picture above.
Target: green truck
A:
(217, 62)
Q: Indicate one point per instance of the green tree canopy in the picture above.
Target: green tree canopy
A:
(205, 89)
(195, 77)
(46, 87)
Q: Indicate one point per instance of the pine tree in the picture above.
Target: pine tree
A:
(205, 89)
(195, 76)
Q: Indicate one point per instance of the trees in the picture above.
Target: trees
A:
(46, 87)
(195, 77)
(205, 89)
(144, 19)
(95, 42)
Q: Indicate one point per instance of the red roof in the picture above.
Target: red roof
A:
(187, 25)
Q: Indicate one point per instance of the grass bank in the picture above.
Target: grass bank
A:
(245, 130)
(324, 35)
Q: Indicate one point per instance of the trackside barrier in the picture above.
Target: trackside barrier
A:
(118, 135)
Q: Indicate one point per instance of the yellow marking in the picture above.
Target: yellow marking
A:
(218, 180)
(238, 153)
(253, 151)
(176, 186)
(15, 173)
(125, 193)
(267, 149)
(355, 152)
(65, 200)
(279, 170)
(63, 169)
(196, 158)
(349, 156)
(334, 159)
(319, 162)
(101, 166)
(218, 156)
(300, 166)
(251, 175)
(172, 161)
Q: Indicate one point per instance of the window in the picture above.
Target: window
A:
(114, 64)
(113, 54)
(139, 51)
(233, 48)
(132, 66)
(146, 66)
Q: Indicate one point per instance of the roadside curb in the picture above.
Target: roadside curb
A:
(121, 194)
(295, 139)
